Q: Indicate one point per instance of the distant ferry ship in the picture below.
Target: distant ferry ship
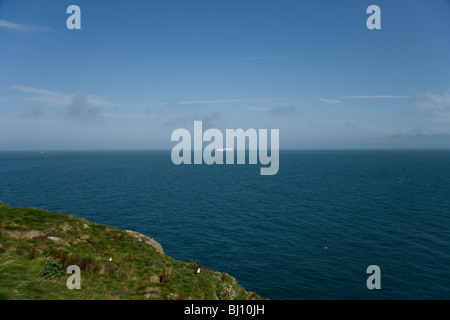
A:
(224, 149)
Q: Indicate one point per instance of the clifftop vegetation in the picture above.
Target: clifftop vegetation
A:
(37, 246)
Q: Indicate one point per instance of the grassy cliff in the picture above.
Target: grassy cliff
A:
(37, 246)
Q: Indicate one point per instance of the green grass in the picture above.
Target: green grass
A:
(139, 268)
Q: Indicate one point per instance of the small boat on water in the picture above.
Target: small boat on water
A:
(224, 149)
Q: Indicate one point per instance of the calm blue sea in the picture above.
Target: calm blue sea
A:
(385, 208)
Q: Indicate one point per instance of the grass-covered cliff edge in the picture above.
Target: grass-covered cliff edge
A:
(37, 246)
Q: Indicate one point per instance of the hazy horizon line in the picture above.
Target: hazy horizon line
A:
(281, 149)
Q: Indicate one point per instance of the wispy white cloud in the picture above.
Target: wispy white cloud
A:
(196, 102)
(231, 59)
(33, 90)
(275, 111)
(376, 97)
(12, 25)
(339, 100)
(259, 109)
(22, 27)
(70, 105)
(226, 101)
(330, 100)
(56, 98)
(47, 97)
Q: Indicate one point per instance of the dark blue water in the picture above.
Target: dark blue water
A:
(385, 208)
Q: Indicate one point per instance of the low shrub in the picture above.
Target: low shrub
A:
(52, 269)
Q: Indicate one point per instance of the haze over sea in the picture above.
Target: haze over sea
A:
(308, 232)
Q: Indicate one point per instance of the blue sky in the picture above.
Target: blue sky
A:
(137, 70)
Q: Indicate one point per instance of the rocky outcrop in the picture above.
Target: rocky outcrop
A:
(146, 240)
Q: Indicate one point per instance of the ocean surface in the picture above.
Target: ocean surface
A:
(309, 232)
